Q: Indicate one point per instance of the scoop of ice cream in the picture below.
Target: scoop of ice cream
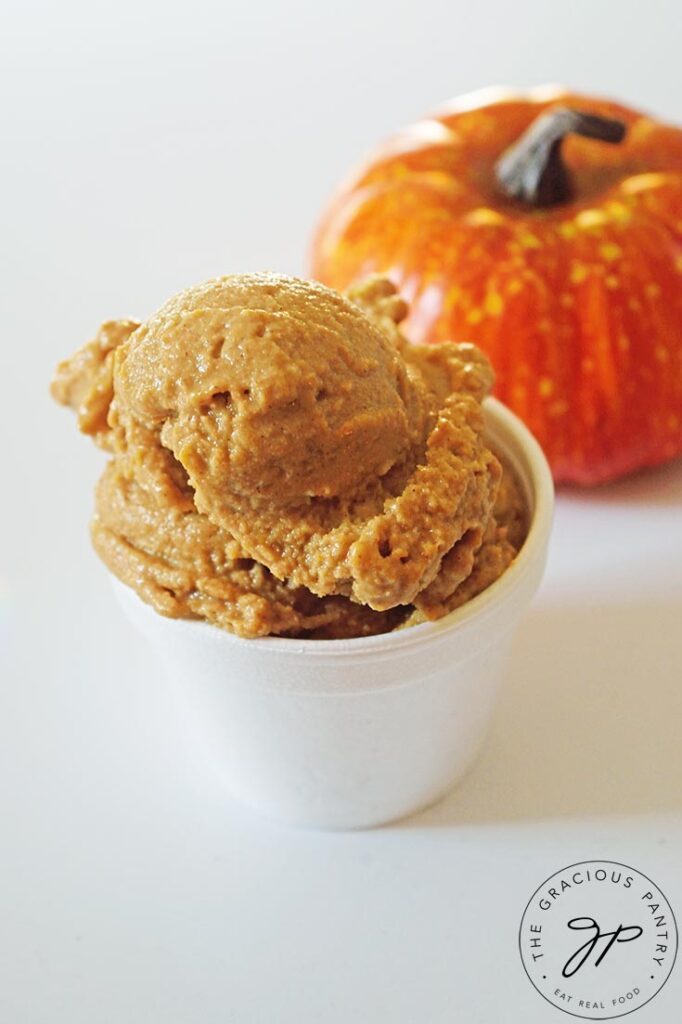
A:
(269, 390)
(309, 436)
(284, 461)
(185, 566)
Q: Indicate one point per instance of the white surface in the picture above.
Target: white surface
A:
(144, 149)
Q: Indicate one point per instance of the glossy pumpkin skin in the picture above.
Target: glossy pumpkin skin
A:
(579, 306)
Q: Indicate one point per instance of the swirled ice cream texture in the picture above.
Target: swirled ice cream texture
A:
(284, 462)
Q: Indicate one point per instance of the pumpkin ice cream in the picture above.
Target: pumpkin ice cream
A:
(285, 462)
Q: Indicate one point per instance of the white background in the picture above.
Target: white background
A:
(146, 147)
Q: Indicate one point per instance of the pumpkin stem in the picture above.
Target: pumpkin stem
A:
(532, 169)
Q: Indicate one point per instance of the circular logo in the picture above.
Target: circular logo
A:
(598, 939)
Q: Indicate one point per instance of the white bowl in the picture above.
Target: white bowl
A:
(355, 733)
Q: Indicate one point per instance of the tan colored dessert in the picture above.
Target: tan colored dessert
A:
(285, 462)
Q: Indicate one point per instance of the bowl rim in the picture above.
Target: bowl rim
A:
(520, 447)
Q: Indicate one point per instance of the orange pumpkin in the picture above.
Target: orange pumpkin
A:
(547, 228)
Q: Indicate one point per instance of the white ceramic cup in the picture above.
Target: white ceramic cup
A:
(355, 733)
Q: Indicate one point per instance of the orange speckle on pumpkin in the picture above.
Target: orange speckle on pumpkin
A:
(672, 422)
(545, 387)
(578, 273)
(567, 229)
(661, 353)
(643, 182)
(493, 304)
(623, 343)
(483, 216)
(474, 316)
(559, 408)
(514, 286)
(619, 212)
(566, 300)
(609, 251)
(652, 290)
(529, 241)
(678, 264)
(587, 219)
(611, 281)
(587, 364)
